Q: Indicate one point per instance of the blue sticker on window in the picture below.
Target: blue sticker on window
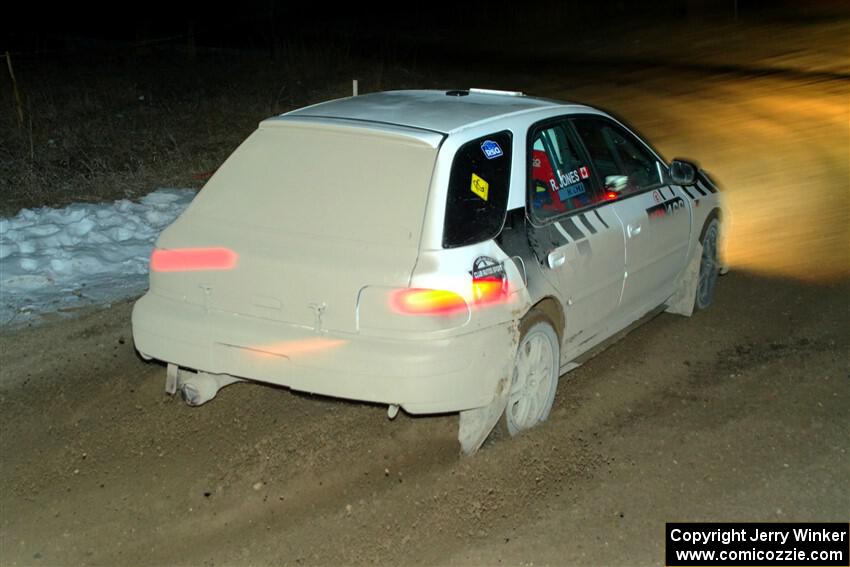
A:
(571, 191)
(491, 149)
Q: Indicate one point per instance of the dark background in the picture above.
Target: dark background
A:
(270, 25)
(737, 414)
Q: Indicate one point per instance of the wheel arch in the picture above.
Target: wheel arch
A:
(550, 308)
(716, 213)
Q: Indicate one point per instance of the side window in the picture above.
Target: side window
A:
(560, 176)
(624, 165)
(477, 197)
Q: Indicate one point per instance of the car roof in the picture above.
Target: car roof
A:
(437, 111)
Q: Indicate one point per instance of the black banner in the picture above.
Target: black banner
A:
(758, 544)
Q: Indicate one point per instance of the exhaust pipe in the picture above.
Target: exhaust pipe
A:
(197, 388)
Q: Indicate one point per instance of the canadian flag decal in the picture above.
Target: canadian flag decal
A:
(582, 171)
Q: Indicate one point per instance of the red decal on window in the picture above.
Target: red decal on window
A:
(582, 171)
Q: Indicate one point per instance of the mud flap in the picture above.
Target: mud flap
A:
(172, 379)
(682, 302)
(476, 424)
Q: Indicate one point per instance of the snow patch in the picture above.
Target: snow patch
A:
(82, 254)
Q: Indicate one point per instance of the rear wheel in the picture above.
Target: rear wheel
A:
(709, 267)
(535, 378)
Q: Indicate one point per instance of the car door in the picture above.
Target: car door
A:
(579, 244)
(656, 220)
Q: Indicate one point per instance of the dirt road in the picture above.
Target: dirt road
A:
(738, 414)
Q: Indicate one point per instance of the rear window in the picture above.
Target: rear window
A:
(331, 182)
(478, 190)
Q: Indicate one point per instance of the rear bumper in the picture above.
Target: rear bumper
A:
(422, 375)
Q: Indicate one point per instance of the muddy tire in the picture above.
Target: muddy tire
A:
(709, 267)
(535, 377)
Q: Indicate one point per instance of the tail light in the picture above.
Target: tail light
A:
(489, 289)
(418, 301)
(193, 259)
(489, 280)
(489, 285)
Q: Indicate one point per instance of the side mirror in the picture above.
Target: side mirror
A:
(682, 172)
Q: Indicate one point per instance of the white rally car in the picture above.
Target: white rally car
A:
(435, 251)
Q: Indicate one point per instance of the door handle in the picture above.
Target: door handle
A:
(556, 259)
(634, 230)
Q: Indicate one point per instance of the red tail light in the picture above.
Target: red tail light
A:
(610, 195)
(489, 281)
(489, 289)
(193, 259)
(416, 301)
(489, 285)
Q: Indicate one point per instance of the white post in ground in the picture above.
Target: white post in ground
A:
(354, 87)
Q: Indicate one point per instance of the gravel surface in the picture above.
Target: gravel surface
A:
(739, 413)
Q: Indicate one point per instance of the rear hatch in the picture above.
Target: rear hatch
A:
(309, 213)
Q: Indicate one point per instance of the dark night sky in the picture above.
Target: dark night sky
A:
(258, 23)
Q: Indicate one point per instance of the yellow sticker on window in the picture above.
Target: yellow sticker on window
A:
(479, 187)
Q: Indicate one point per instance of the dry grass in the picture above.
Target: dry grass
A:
(101, 127)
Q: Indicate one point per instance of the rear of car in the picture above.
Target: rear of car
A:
(301, 263)
(437, 251)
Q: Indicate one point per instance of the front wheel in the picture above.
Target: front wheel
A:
(709, 267)
(534, 380)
